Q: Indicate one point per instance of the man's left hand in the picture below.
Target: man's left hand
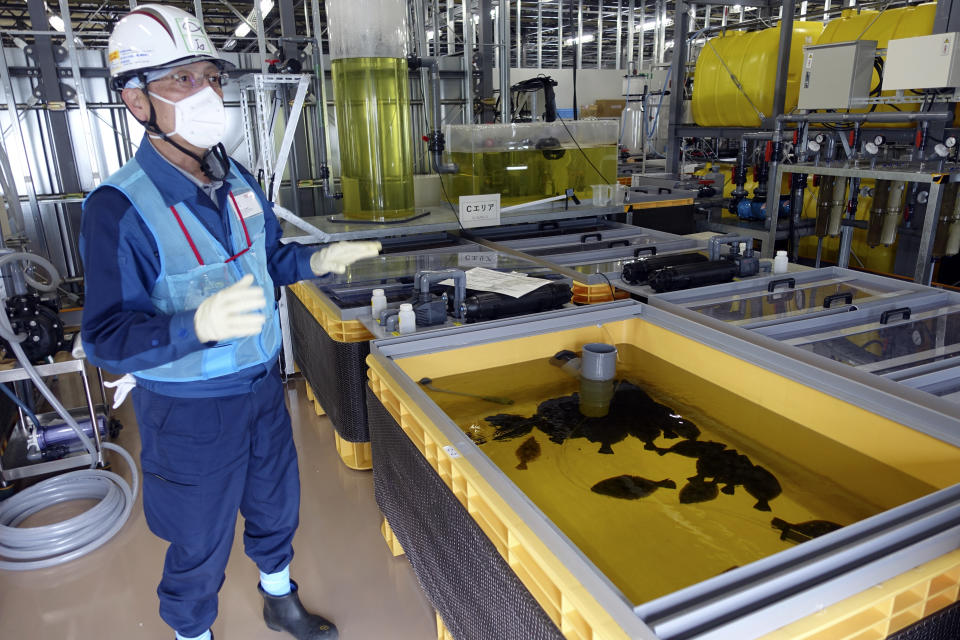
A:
(335, 258)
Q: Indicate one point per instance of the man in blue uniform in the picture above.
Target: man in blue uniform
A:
(181, 252)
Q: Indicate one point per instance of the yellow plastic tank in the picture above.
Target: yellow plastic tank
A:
(905, 22)
(752, 57)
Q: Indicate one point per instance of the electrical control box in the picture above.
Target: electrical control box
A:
(834, 74)
(924, 62)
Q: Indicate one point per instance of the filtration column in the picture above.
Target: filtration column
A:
(371, 90)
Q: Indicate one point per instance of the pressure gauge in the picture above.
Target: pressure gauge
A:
(941, 150)
(813, 145)
(922, 197)
(879, 140)
(950, 142)
(820, 138)
(872, 148)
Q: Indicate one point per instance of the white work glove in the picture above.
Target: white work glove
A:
(226, 314)
(124, 385)
(335, 258)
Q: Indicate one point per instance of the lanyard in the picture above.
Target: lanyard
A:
(186, 233)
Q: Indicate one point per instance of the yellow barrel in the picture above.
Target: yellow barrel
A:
(752, 57)
(893, 24)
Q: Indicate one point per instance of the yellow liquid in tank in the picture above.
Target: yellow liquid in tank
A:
(525, 175)
(373, 127)
(655, 545)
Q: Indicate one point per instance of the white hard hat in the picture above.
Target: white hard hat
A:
(154, 36)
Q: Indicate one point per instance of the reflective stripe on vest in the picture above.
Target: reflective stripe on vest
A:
(194, 266)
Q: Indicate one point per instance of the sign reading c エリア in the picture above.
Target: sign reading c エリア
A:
(480, 211)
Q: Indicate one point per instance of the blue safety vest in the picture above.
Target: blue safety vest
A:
(194, 265)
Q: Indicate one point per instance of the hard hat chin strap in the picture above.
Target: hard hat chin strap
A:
(214, 163)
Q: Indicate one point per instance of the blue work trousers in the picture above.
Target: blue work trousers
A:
(204, 459)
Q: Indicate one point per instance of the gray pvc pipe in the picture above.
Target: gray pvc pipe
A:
(598, 361)
(433, 64)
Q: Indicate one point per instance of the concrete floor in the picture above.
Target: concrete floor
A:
(342, 564)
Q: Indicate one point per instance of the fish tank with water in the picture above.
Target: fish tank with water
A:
(531, 161)
(701, 464)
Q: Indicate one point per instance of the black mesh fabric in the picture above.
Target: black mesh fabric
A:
(336, 371)
(467, 581)
(941, 625)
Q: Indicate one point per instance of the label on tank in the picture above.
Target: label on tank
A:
(477, 259)
(480, 211)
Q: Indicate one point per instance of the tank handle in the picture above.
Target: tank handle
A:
(846, 296)
(639, 250)
(790, 282)
(587, 236)
(903, 312)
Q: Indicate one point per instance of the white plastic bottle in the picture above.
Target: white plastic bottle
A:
(378, 302)
(780, 262)
(408, 319)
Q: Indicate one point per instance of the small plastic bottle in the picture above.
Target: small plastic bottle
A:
(378, 302)
(780, 262)
(407, 319)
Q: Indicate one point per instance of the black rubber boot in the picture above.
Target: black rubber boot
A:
(285, 613)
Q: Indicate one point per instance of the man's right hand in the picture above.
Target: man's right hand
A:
(227, 314)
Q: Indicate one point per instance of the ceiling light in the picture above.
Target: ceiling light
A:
(244, 27)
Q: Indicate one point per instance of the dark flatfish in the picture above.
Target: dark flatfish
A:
(527, 452)
(694, 448)
(510, 426)
(684, 428)
(645, 432)
(727, 467)
(646, 416)
(803, 531)
(696, 490)
(762, 485)
(560, 419)
(630, 487)
(603, 431)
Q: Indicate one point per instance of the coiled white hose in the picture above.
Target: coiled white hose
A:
(51, 545)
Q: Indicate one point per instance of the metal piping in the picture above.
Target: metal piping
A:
(503, 25)
(320, 88)
(862, 117)
(773, 188)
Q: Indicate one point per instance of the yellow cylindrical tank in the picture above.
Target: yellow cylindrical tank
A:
(892, 24)
(752, 57)
(370, 86)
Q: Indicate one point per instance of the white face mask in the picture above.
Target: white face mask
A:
(200, 119)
